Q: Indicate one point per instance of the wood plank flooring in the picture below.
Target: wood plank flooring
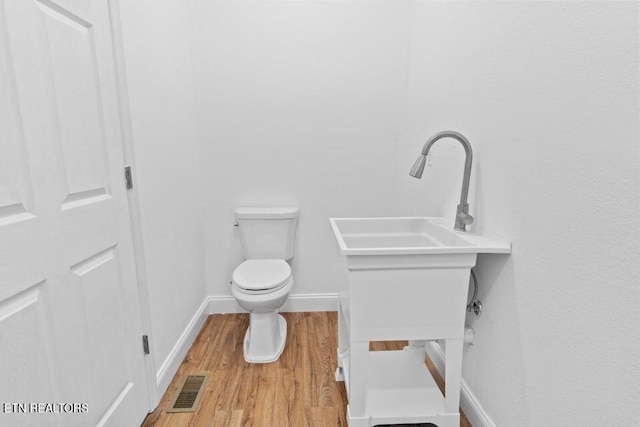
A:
(296, 391)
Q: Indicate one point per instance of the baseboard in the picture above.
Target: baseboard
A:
(221, 304)
(295, 303)
(172, 362)
(469, 403)
(311, 302)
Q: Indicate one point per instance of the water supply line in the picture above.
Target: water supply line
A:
(474, 305)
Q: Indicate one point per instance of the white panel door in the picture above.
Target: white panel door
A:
(70, 327)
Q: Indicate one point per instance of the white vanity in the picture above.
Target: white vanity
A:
(408, 279)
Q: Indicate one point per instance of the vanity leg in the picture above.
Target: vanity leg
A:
(343, 348)
(343, 336)
(358, 355)
(453, 376)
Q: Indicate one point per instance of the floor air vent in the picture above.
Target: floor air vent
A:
(188, 395)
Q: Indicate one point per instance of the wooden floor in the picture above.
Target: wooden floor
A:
(298, 390)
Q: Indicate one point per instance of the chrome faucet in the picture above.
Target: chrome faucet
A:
(462, 215)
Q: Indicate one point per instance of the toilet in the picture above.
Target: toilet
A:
(262, 283)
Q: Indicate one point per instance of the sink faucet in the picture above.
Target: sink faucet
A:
(462, 215)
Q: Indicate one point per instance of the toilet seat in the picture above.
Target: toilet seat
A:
(259, 276)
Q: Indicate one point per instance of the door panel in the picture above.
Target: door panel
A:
(25, 339)
(72, 54)
(96, 279)
(70, 327)
(15, 187)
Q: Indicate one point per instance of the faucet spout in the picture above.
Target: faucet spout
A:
(462, 215)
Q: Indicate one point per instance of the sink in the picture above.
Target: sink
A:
(408, 235)
(407, 279)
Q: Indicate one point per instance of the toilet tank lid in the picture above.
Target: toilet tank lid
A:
(266, 213)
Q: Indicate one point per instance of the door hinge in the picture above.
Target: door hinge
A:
(127, 177)
(145, 344)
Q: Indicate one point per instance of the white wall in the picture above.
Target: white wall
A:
(156, 42)
(547, 93)
(298, 103)
(325, 105)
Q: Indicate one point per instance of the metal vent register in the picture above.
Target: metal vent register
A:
(188, 395)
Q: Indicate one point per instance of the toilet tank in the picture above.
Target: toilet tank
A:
(267, 233)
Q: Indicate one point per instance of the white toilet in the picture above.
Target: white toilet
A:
(262, 283)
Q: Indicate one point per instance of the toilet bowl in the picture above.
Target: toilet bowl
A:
(262, 283)
(261, 287)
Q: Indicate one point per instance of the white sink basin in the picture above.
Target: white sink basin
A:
(407, 236)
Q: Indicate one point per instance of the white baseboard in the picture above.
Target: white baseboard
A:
(295, 303)
(222, 304)
(469, 403)
(311, 302)
(172, 362)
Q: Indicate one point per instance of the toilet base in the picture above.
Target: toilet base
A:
(265, 337)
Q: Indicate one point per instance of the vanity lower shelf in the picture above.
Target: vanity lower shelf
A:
(399, 388)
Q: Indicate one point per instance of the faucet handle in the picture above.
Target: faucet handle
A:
(465, 218)
(462, 217)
